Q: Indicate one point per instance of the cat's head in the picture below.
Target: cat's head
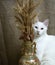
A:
(40, 28)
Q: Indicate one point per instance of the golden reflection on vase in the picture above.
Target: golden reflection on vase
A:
(29, 57)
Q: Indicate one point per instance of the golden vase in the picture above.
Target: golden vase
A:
(29, 56)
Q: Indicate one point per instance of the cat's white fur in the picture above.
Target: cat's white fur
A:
(45, 43)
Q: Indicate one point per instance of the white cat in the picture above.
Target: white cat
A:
(45, 43)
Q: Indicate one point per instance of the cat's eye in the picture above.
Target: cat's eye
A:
(42, 28)
(36, 27)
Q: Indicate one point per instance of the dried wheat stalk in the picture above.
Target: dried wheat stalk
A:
(25, 17)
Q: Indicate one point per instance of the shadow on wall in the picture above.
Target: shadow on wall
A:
(10, 45)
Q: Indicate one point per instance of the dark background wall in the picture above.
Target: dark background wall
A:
(9, 34)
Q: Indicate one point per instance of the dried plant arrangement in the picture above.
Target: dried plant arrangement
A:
(25, 18)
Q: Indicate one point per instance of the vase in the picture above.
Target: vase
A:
(29, 54)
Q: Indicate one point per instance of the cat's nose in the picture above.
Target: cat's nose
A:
(37, 32)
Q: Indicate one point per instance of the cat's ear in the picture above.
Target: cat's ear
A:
(36, 19)
(46, 22)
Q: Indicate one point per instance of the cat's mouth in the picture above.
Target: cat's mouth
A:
(37, 35)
